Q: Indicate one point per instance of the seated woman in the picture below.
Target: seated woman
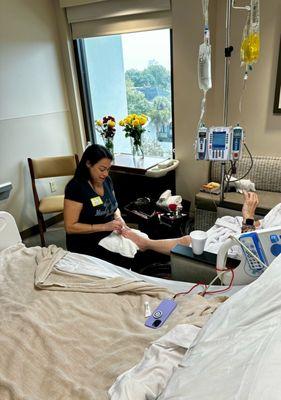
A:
(90, 207)
(247, 223)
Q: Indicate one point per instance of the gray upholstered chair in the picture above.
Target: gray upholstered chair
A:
(265, 173)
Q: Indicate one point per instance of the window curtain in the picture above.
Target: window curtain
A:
(89, 18)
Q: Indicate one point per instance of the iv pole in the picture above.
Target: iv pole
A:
(227, 54)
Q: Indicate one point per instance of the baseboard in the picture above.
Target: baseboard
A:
(34, 230)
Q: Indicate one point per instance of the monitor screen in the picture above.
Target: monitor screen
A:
(219, 140)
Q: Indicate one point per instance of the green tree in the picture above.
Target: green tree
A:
(160, 75)
(160, 113)
(140, 78)
(155, 75)
(137, 103)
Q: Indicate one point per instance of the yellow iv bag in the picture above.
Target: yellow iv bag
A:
(250, 46)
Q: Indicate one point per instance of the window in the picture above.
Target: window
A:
(125, 74)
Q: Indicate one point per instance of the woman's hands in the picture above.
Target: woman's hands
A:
(114, 225)
(251, 202)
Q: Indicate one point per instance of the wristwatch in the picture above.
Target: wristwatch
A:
(248, 225)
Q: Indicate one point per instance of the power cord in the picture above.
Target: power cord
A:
(251, 166)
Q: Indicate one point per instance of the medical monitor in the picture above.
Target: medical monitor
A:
(218, 140)
(219, 143)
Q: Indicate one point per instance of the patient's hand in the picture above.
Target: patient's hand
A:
(251, 202)
(140, 241)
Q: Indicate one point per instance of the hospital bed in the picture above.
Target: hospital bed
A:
(71, 324)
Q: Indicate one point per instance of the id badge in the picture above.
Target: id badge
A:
(96, 201)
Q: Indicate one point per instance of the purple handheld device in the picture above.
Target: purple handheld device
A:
(160, 314)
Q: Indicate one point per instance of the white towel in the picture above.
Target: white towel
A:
(241, 184)
(165, 199)
(165, 195)
(217, 235)
(121, 245)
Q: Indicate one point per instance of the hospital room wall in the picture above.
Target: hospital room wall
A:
(34, 119)
(188, 25)
(263, 128)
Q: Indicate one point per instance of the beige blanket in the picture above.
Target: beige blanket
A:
(72, 340)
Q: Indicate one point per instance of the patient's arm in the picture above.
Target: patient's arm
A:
(251, 202)
(163, 246)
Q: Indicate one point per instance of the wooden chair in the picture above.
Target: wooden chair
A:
(49, 167)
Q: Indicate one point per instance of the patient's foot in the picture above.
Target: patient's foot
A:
(140, 241)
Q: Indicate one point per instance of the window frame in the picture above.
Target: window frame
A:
(85, 94)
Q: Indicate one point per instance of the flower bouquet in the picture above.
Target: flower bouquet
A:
(133, 126)
(106, 127)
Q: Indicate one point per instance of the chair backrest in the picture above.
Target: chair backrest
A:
(47, 167)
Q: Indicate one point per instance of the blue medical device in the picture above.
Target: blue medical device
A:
(237, 141)
(259, 249)
(202, 142)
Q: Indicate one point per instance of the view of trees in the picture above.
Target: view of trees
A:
(149, 92)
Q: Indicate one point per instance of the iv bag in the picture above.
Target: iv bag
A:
(204, 67)
(250, 46)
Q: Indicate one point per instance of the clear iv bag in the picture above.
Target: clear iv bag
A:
(250, 46)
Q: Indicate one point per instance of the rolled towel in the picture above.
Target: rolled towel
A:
(121, 245)
(165, 195)
(174, 200)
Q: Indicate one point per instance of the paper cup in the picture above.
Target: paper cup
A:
(198, 240)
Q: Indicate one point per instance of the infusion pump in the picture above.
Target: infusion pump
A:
(219, 143)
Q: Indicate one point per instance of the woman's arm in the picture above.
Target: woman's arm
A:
(72, 210)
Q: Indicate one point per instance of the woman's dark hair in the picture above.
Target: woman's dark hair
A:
(93, 154)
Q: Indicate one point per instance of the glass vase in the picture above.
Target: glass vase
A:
(137, 149)
(108, 142)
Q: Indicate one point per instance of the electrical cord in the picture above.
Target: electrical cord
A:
(221, 290)
(207, 287)
(251, 166)
(193, 287)
(229, 173)
(233, 165)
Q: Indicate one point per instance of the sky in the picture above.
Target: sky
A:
(141, 47)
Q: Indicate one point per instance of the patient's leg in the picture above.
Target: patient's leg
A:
(163, 246)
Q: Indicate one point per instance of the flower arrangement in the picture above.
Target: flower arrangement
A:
(133, 126)
(106, 127)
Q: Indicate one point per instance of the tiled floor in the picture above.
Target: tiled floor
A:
(55, 234)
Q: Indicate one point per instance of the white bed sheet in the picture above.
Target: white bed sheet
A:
(237, 354)
(87, 265)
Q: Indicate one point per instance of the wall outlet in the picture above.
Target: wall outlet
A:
(52, 186)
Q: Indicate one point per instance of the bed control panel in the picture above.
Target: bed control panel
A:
(265, 245)
(161, 314)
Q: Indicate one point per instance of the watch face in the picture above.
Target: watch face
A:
(249, 221)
